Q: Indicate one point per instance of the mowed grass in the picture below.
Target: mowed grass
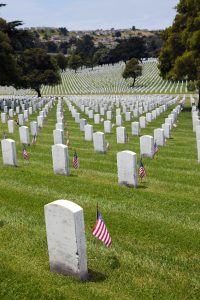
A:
(155, 229)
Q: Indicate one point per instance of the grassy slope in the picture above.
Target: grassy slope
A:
(155, 229)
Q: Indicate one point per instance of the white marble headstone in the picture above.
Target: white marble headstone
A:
(66, 238)
(127, 168)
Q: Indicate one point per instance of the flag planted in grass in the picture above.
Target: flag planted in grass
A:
(142, 171)
(100, 231)
(34, 139)
(155, 148)
(75, 161)
(25, 154)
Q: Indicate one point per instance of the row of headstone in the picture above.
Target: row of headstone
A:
(196, 125)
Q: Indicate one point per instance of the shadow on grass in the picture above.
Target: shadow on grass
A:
(186, 109)
(142, 186)
(95, 276)
(73, 175)
(2, 223)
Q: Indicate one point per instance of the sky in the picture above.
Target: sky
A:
(91, 14)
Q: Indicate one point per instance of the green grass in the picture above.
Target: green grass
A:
(155, 229)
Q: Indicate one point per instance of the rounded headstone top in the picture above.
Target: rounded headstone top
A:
(73, 207)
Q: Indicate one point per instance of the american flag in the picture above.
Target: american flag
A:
(17, 121)
(155, 148)
(142, 171)
(100, 230)
(25, 154)
(75, 161)
(34, 139)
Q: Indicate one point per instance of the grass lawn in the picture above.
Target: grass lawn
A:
(155, 229)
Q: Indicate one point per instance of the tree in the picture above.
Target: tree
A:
(37, 69)
(102, 56)
(85, 49)
(74, 62)
(179, 57)
(63, 47)
(61, 61)
(51, 47)
(63, 31)
(132, 70)
(130, 48)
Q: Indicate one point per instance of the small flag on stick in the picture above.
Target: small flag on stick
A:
(142, 172)
(4, 136)
(25, 154)
(75, 161)
(100, 231)
(155, 148)
(34, 139)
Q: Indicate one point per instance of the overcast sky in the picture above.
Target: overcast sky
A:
(91, 14)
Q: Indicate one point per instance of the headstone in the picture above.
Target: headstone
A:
(142, 121)
(88, 132)
(34, 128)
(60, 126)
(127, 168)
(66, 238)
(30, 110)
(107, 126)
(99, 142)
(9, 152)
(195, 122)
(149, 117)
(198, 150)
(11, 113)
(97, 119)
(60, 159)
(128, 116)
(147, 146)
(102, 111)
(109, 115)
(91, 114)
(166, 128)
(3, 117)
(119, 120)
(83, 122)
(24, 135)
(198, 132)
(135, 126)
(58, 136)
(136, 113)
(121, 135)
(40, 121)
(159, 136)
(26, 114)
(11, 126)
(118, 112)
(169, 121)
(77, 117)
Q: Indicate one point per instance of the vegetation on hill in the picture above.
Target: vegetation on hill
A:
(22, 65)
(180, 55)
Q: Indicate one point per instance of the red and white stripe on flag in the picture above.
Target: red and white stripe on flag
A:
(100, 231)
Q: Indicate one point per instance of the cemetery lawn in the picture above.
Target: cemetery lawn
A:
(155, 229)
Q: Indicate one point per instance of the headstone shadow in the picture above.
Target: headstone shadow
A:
(95, 276)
